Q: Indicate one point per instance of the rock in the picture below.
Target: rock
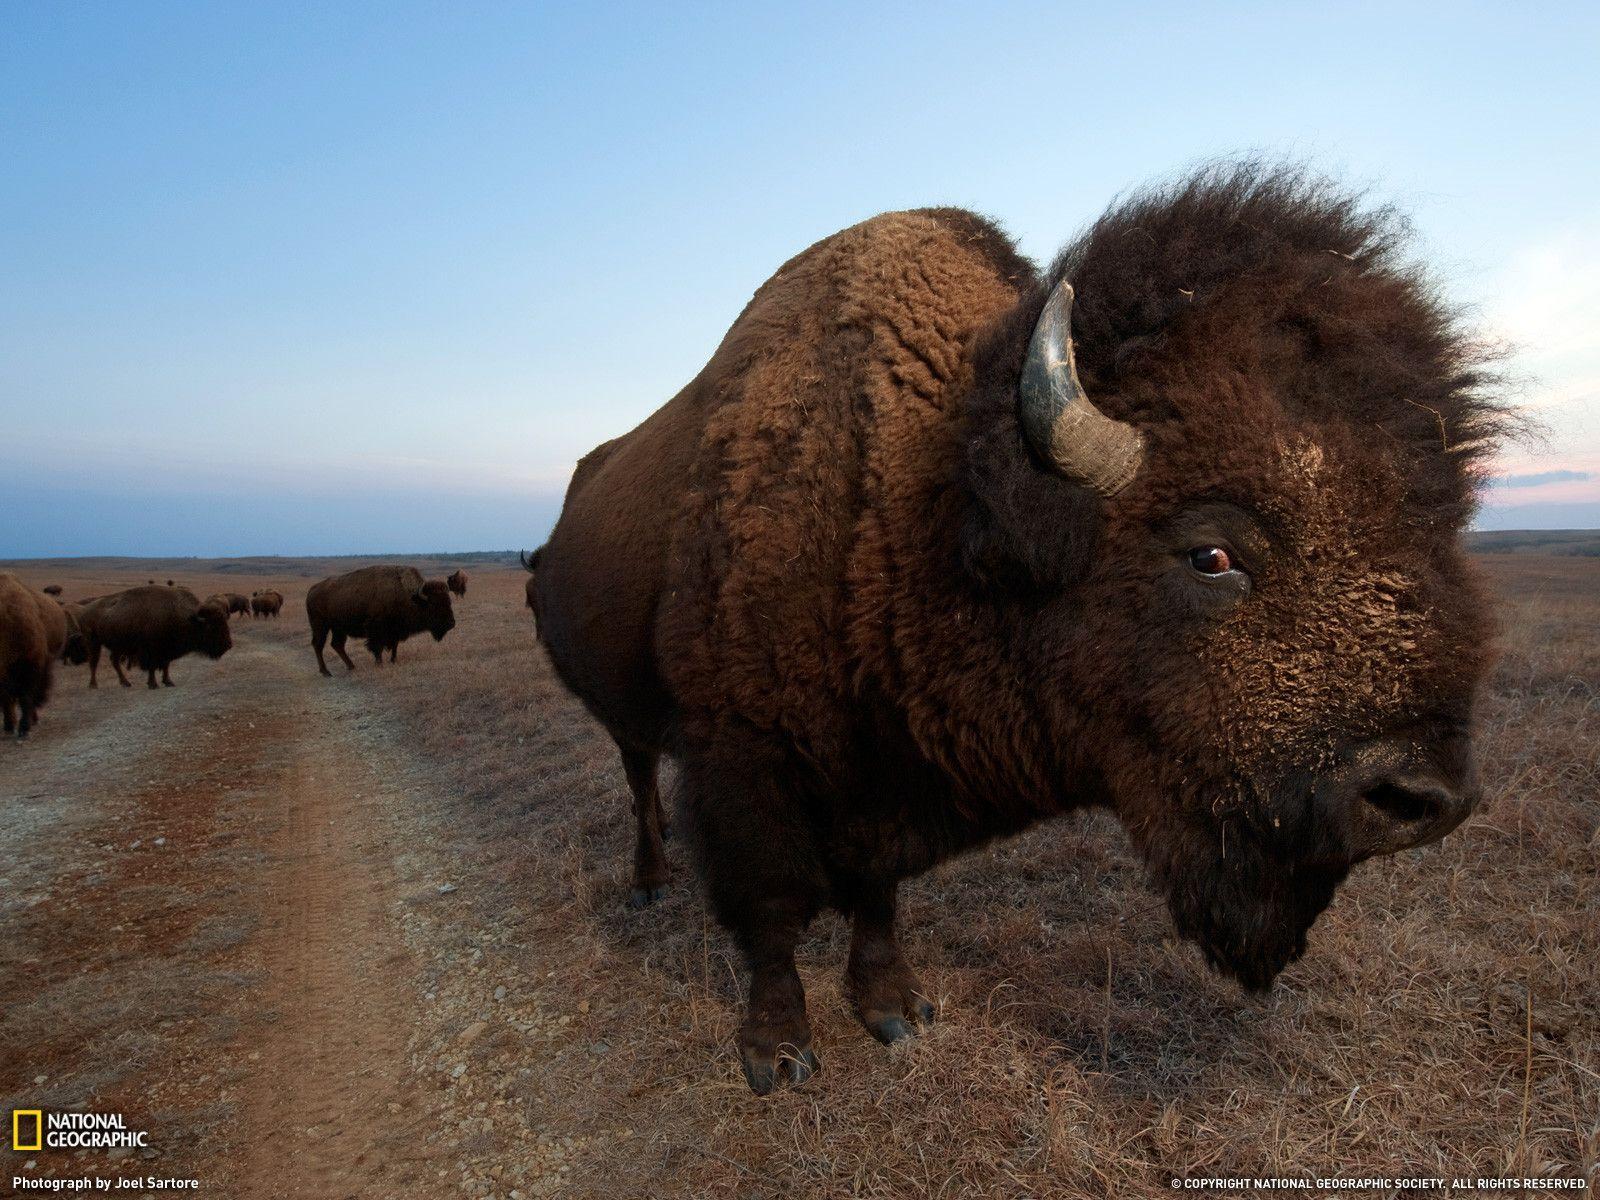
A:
(446, 888)
(500, 992)
(472, 1032)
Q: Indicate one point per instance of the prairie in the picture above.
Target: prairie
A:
(396, 897)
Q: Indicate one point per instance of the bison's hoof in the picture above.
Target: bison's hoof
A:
(124, 683)
(890, 1029)
(764, 1072)
(895, 1017)
(644, 897)
(168, 683)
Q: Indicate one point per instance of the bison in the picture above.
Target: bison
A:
(530, 563)
(52, 589)
(929, 553)
(266, 603)
(33, 632)
(232, 602)
(151, 626)
(457, 582)
(75, 648)
(384, 605)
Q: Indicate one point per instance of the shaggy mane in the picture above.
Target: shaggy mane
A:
(1299, 282)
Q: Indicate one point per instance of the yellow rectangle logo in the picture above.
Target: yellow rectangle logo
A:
(18, 1118)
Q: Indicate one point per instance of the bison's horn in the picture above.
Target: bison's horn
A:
(1069, 432)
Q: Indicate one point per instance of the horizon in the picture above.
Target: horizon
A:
(493, 557)
(287, 281)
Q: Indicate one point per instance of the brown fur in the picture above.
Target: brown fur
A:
(152, 627)
(831, 577)
(266, 603)
(457, 582)
(384, 605)
(530, 563)
(32, 634)
(74, 646)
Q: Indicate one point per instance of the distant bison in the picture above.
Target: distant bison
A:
(53, 589)
(233, 602)
(457, 581)
(266, 603)
(927, 554)
(75, 650)
(384, 605)
(152, 626)
(33, 630)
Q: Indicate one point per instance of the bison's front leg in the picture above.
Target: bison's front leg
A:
(887, 995)
(766, 883)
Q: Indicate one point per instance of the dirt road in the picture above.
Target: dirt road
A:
(254, 800)
(254, 916)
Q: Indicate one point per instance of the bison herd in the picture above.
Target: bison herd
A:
(151, 626)
(941, 544)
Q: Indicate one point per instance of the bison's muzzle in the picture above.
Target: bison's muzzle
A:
(1393, 806)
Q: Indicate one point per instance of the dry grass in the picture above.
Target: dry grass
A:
(1446, 1020)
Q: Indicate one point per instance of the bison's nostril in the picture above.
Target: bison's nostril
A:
(1406, 805)
(1397, 812)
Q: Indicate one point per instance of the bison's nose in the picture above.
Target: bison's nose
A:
(1396, 811)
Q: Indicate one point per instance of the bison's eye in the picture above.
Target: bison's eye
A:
(1210, 560)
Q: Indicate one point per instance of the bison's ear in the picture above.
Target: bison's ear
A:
(1017, 552)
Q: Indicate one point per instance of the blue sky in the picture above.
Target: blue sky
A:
(317, 278)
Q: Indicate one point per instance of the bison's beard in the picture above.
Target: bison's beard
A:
(1247, 908)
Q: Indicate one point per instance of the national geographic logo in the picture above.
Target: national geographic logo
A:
(27, 1129)
(35, 1129)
